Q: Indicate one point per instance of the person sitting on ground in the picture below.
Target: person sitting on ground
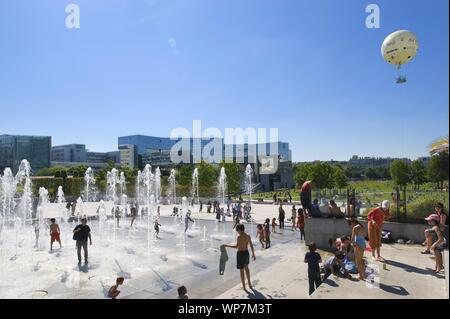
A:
(182, 293)
(347, 249)
(315, 209)
(335, 211)
(335, 266)
(440, 244)
(114, 291)
(335, 245)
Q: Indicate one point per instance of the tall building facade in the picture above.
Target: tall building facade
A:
(15, 148)
(69, 153)
(129, 156)
(158, 151)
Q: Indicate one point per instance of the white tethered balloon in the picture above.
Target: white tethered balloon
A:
(399, 48)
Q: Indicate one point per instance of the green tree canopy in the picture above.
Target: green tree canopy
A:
(320, 171)
(438, 171)
(339, 177)
(418, 173)
(184, 174)
(77, 170)
(301, 173)
(207, 175)
(235, 174)
(401, 172)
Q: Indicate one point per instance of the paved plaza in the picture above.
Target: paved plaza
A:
(155, 268)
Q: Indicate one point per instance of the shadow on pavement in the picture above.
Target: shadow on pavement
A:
(330, 282)
(256, 295)
(409, 268)
(396, 290)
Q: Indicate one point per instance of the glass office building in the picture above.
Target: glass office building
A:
(15, 148)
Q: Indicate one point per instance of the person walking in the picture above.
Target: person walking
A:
(55, 234)
(81, 234)
(313, 259)
(281, 216)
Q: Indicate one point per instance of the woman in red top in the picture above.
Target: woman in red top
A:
(376, 219)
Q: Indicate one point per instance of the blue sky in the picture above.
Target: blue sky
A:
(310, 68)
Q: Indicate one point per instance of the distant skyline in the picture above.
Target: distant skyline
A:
(309, 68)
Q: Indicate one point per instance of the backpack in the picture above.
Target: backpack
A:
(386, 237)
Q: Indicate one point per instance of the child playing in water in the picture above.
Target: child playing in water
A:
(54, 234)
(113, 291)
(274, 225)
(260, 234)
(157, 225)
(243, 255)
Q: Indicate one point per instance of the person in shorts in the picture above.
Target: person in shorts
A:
(243, 256)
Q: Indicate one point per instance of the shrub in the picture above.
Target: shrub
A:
(424, 205)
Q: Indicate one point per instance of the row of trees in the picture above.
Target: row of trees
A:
(402, 173)
(326, 175)
(416, 173)
(208, 174)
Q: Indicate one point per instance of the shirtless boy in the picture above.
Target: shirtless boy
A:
(54, 234)
(243, 255)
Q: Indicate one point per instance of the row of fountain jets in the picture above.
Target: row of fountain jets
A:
(148, 191)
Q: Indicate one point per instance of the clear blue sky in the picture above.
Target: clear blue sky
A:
(310, 68)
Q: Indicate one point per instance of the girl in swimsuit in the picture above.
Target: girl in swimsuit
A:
(359, 243)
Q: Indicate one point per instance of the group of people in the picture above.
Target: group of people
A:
(349, 249)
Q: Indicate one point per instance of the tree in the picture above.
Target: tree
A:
(235, 174)
(184, 174)
(418, 173)
(320, 171)
(401, 173)
(438, 171)
(302, 172)
(323, 174)
(77, 170)
(371, 173)
(340, 180)
(207, 175)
